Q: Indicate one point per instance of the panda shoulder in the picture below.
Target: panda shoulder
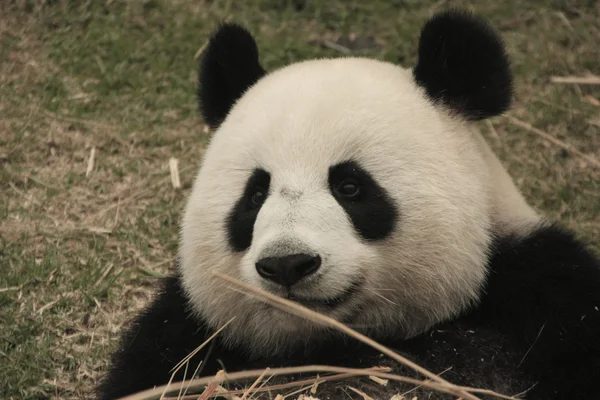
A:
(543, 292)
(549, 255)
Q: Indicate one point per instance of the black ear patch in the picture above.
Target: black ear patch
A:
(463, 65)
(228, 68)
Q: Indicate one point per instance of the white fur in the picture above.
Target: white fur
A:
(511, 213)
(296, 123)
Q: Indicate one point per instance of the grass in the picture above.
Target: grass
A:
(79, 254)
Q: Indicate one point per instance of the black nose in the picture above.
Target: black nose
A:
(288, 270)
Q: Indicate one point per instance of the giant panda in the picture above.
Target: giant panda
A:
(360, 189)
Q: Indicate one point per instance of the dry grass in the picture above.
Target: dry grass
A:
(96, 98)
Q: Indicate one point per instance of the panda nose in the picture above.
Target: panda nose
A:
(288, 270)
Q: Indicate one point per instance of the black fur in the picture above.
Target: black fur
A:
(544, 294)
(537, 327)
(228, 68)
(462, 65)
(241, 219)
(372, 211)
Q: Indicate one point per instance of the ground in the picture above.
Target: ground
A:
(81, 243)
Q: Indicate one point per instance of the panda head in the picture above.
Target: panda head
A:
(350, 185)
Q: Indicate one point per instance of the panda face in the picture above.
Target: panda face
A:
(309, 228)
(340, 185)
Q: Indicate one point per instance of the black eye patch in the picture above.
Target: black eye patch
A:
(371, 210)
(241, 219)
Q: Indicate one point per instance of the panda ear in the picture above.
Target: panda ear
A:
(228, 68)
(463, 65)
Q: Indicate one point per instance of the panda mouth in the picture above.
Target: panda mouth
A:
(331, 302)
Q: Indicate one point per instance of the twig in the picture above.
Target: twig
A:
(186, 359)
(105, 274)
(180, 396)
(47, 306)
(382, 382)
(152, 393)
(417, 387)
(527, 390)
(116, 221)
(193, 353)
(492, 129)
(51, 277)
(553, 140)
(592, 100)
(184, 378)
(251, 388)
(90, 166)
(290, 385)
(532, 345)
(201, 50)
(337, 47)
(361, 394)
(437, 383)
(10, 288)
(100, 64)
(174, 168)
(149, 269)
(262, 385)
(303, 389)
(315, 385)
(578, 80)
(95, 229)
(565, 20)
(302, 311)
(213, 385)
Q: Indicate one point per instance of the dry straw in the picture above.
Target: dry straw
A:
(434, 382)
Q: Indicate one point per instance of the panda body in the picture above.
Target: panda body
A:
(360, 190)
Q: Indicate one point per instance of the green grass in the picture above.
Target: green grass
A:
(79, 254)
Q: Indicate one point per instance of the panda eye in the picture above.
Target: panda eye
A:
(258, 197)
(349, 189)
